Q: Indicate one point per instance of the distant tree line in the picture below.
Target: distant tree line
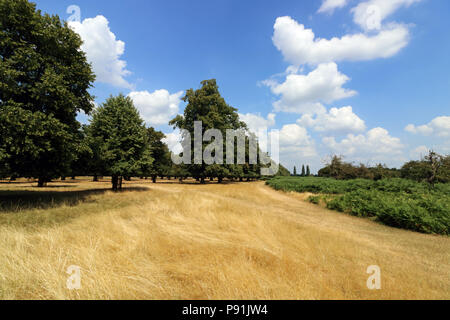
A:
(432, 168)
(306, 171)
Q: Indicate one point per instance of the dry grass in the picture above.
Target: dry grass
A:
(235, 241)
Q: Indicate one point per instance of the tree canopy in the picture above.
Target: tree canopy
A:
(122, 139)
(44, 82)
(208, 106)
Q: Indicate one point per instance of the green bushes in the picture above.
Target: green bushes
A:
(396, 202)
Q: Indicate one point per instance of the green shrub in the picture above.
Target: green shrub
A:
(395, 202)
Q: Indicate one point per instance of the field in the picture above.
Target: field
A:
(191, 241)
(396, 202)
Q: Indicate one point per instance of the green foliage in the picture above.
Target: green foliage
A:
(433, 168)
(341, 170)
(283, 172)
(207, 105)
(161, 165)
(396, 202)
(123, 140)
(35, 144)
(44, 82)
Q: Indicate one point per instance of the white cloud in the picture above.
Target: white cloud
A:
(439, 126)
(259, 126)
(158, 107)
(255, 122)
(370, 14)
(173, 141)
(293, 134)
(103, 50)
(304, 93)
(328, 6)
(295, 139)
(376, 144)
(299, 45)
(341, 120)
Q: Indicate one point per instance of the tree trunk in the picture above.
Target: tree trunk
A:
(220, 179)
(202, 180)
(241, 179)
(154, 179)
(211, 179)
(115, 182)
(95, 179)
(42, 182)
(120, 182)
(63, 178)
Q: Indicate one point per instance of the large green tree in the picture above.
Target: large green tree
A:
(122, 139)
(44, 82)
(208, 106)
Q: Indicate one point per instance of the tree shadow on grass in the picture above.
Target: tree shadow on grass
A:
(16, 206)
(18, 200)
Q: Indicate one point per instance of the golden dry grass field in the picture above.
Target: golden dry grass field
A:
(191, 241)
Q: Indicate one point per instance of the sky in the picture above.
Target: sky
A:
(364, 79)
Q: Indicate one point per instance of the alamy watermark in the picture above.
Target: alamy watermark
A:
(74, 280)
(75, 13)
(374, 281)
(235, 143)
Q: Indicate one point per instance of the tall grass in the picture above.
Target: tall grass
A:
(235, 241)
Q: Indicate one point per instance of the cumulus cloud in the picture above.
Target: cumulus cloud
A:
(375, 144)
(304, 93)
(103, 50)
(259, 126)
(300, 46)
(439, 126)
(295, 140)
(328, 6)
(255, 122)
(370, 14)
(158, 107)
(173, 141)
(341, 120)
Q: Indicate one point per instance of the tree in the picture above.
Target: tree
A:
(44, 82)
(84, 155)
(434, 161)
(207, 105)
(122, 137)
(303, 171)
(160, 153)
(308, 171)
(295, 171)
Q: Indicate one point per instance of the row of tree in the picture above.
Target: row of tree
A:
(432, 168)
(44, 83)
(305, 172)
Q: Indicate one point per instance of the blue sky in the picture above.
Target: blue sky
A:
(378, 92)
